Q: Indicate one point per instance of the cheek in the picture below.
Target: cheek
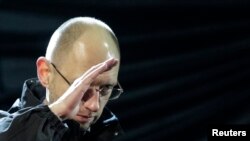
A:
(56, 90)
(102, 105)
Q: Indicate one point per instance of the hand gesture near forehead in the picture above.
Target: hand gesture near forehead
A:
(67, 105)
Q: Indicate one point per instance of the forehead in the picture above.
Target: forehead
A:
(93, 47)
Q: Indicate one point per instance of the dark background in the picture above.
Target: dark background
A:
(185, 63)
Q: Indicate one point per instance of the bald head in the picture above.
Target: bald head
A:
(79, 37)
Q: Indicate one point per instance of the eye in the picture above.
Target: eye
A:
(106, 89)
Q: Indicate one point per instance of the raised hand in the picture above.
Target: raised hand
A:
(67, 105)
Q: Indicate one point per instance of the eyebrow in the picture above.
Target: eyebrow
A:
(105, 82)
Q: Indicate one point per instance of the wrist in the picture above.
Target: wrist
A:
(56, 109)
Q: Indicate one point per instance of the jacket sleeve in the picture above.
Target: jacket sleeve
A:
(31, 124)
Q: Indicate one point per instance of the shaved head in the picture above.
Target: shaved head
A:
(63, 39)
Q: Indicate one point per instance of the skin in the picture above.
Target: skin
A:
(92, 61)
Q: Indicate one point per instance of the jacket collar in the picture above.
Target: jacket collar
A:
(33, 93)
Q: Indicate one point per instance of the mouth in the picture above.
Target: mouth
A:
(84, 118)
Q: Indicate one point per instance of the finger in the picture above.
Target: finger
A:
(100, 68)
(105, 66)
(81, 85)
(94, 71)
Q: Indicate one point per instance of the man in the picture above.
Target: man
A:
(76, 79)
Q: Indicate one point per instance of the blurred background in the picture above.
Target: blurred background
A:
(185, 63)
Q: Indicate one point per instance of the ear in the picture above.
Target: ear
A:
(43, 71)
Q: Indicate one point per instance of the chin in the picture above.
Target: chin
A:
(85, 126)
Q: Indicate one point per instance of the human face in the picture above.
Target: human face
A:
(106, 92)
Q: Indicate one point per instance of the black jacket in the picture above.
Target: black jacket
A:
(29, 120)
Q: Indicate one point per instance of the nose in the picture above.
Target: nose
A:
(91, 100)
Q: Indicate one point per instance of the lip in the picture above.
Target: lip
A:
(83, 118)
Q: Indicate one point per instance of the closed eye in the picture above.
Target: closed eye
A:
(106, 89)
